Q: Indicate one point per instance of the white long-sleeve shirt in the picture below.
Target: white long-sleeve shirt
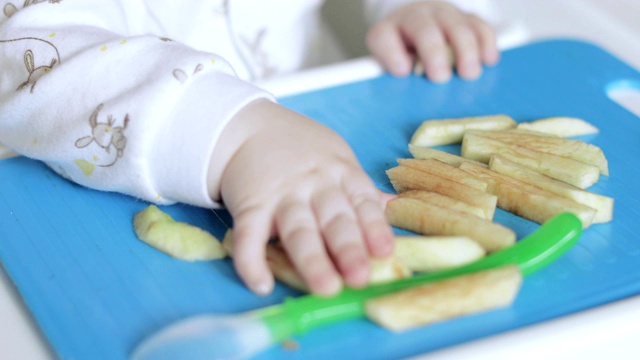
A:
(132, 95)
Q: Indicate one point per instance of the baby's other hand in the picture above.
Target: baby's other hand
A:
(297, 179)
(430, 31)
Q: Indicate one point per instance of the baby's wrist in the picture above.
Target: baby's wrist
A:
(245, 124)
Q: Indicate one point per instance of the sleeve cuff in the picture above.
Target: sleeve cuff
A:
(183, 148)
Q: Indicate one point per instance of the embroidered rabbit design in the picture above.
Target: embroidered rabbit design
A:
(106, 135)
(35, 73)
(10, 9)
(182, 76)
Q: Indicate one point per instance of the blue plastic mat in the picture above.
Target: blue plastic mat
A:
(95, 290)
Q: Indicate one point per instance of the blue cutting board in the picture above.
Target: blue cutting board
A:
(95, 290)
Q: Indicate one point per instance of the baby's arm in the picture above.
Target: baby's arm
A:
(108, 100)
(430, 32)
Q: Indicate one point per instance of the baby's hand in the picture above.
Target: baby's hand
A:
(298, 180)
(430, 30)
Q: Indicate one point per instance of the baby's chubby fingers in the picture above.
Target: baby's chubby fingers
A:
(342, 235)
(387, 46)
(430, 42)
(465, 45)
(432, 30)
(487, 40)
(252, 228)
(299, 234)
(328, 240)
(370, 204)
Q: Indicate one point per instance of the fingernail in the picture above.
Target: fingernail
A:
(492, 58)
(262, 288)
(332, 287)
(440, 77)
(439, 73)
(399, 67)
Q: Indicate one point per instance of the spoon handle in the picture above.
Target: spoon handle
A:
(543, 246)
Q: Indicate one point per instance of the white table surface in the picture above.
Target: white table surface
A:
(606, 332)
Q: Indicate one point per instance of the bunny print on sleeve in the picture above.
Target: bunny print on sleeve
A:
(106, 98)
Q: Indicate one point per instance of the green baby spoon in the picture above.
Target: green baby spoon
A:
(241, 335)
